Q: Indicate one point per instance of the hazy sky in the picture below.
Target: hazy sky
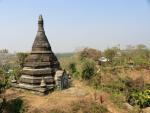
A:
(71, 24)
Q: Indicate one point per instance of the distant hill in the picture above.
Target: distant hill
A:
(64, 55)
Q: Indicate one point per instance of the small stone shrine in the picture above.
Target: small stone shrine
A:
(61, 79)
(41, 65)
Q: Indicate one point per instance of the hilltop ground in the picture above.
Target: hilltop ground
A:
(62, 101)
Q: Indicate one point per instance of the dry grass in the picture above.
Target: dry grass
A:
(63, 101)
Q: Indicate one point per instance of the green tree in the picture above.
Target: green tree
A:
(21, 58)
(141, 55)
(90, 53)
(110, 53)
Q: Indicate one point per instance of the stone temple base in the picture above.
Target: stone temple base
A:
(35, 89)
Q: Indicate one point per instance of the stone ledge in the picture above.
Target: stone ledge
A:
(36, 89)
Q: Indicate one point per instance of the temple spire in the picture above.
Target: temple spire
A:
(40, 24)
(40, 66)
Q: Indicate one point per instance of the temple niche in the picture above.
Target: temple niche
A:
(41, 65)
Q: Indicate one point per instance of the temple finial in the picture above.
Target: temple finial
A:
(40, 18)
(40, 23)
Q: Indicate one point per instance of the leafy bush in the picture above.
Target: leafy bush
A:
(72, 67)
(88, 69)
(16, 72)
(141, 98)
(14, 106)
(4, 80)
(2, 87)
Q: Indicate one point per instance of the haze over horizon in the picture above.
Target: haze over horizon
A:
(71, 24)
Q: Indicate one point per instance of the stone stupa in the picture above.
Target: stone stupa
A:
(40, 66)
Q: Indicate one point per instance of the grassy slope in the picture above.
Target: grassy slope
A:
(62, 100)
